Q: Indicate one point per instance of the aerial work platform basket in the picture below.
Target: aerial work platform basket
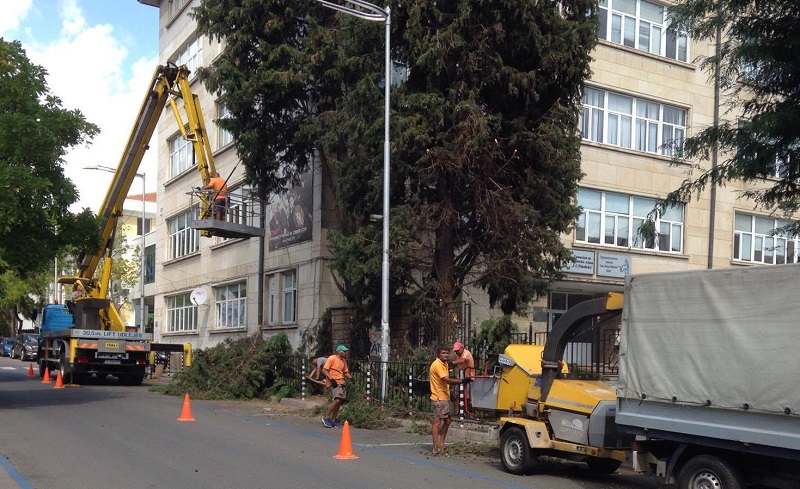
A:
(238, 210)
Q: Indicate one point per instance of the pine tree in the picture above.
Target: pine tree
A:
(485, 148)
(759, 78)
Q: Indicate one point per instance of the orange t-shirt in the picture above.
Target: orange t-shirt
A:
(220, 188)
(336, 368)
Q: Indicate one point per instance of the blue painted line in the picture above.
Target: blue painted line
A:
(380, 451)
(15, 476)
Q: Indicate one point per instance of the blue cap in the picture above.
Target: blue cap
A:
(341, 348)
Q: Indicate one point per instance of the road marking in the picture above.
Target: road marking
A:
(8, 368)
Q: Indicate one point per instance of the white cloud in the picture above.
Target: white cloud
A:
(13, 14)
(86, 68)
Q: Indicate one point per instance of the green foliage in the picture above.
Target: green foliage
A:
(757, 68)
(495, 335)
(485, 155)
(35, 134)
(370, 415)
(237, 369)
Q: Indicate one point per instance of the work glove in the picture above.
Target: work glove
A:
(466, 381)
(333, 383)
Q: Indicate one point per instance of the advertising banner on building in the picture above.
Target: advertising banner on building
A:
(291, 214)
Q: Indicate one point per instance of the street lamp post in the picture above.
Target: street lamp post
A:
(368, 11)
(142, 321)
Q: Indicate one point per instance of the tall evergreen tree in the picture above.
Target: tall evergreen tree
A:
(759, 77)
(485, 147)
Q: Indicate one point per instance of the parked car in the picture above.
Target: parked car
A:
(6, 346)
(26, 348)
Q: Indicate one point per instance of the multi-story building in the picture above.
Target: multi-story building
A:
(139, 229)
(646, 91)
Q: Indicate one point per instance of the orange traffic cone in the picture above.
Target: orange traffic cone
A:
(345, 446)
(59, 381)
(30, 370)
(46, 378)
(186, 413)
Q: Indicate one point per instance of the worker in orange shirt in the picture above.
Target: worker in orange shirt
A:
(219, 195)
(336, 373)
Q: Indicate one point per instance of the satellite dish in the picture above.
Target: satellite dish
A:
(199, 296)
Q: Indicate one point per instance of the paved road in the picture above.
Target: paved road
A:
(103, 436)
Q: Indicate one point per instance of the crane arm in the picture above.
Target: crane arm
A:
(169, 83)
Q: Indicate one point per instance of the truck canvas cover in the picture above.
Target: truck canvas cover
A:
(703, 345)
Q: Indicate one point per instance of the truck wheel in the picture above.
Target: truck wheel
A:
(603, 465)
(42, 368)
(515, 453)
(64, 368)
(710, 472)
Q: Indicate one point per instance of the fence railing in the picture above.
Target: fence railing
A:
(408, 388)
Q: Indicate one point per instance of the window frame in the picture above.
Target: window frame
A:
(609, 220)
(224, 137)
(762, 244)
(661, 37)
(192, 56)
(183, 237)
(647, 130)
(282, 297)
(150, 264)
(181, 152)
(181, 314)
(289, 297)
(230, 311)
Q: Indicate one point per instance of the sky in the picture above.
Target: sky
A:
(100, 56)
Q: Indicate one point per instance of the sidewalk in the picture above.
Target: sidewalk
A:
(460, 430)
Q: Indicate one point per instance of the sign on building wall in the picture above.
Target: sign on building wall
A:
(291, 214)
(584, 263)
(613, 265)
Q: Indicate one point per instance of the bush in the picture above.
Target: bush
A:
(237, 369)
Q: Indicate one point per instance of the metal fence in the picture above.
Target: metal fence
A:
(407, 382)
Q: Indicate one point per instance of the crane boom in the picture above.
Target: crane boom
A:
(169, 83)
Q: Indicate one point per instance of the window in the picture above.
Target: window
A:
(756, 239)
(192, 56)
(174, 7)
(242, 209)
(641, 25)
(282, 290)
(629, 122)
(289, 297)
(615, 219)
(181, 314)
(224, 137)
(183, 240)
(231, 305)
(273, 306)
(148, 225)
(149, 264)
(180, 156)
(560, 302)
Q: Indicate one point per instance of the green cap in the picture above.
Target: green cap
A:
(341, 348)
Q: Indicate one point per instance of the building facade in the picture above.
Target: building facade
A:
(646, 91)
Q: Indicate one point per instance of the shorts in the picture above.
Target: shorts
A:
(220, 205)
(338, 392)
(441, 409)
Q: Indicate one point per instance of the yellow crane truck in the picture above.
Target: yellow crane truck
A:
(87, 336)
(707, 396)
